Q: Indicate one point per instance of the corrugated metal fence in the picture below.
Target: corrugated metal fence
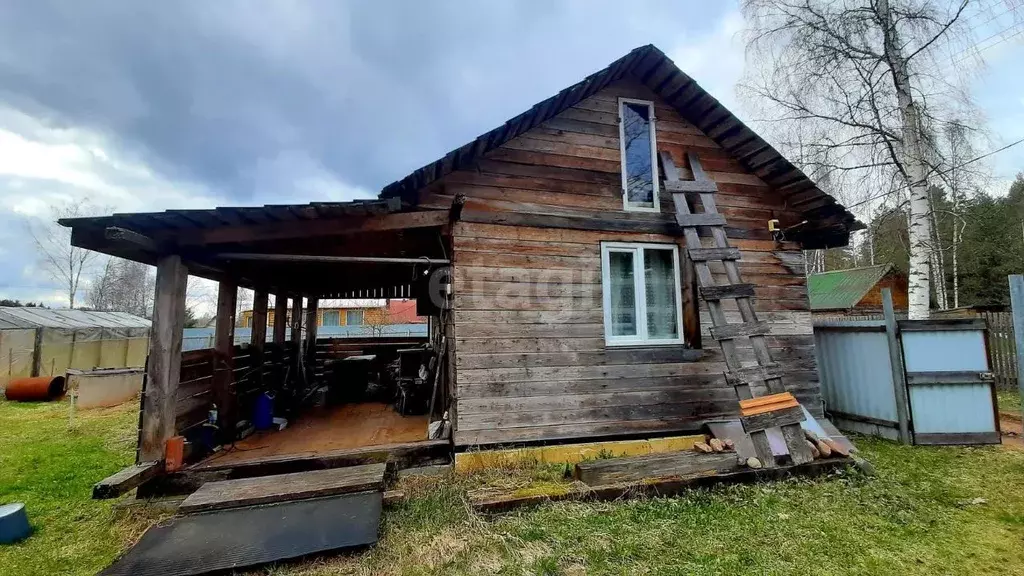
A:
(1000, 337)
(856, 375)
(200, 338)
(940, 392)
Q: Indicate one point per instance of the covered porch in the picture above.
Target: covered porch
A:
(337, 395)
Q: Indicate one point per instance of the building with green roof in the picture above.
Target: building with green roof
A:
(856, 290)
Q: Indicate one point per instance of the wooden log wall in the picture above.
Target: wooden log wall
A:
(338, 348)
(531, 359)
(195, 390)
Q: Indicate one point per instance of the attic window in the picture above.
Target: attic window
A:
(638, 148)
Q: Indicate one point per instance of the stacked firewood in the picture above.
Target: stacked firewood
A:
(824, 447)
(820, 448)
(710, 445)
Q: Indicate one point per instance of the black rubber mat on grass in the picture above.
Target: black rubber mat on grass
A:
(245, 537)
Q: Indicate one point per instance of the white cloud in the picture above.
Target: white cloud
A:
(293, 176)
(714, 59)
(44, 165)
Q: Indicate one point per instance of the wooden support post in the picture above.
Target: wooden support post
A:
(296, 340)
(1017, 306)
(311, 314)
(259, 319)
(163, 368)
(258, 337)
(224, 359)
(280, 318)
(37, 354)
(899, 383)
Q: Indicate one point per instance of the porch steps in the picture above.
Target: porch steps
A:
(236, 524)
(757, 419)
(283, 488)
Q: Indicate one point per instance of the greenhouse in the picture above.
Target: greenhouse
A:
(45, 342)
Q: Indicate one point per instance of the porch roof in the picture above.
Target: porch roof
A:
(219, 244)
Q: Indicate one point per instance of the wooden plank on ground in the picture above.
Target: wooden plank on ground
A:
(634, 468)
(494, 501)
(121, 482)
(284, 487)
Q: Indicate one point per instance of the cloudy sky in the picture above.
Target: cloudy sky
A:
(140, 105)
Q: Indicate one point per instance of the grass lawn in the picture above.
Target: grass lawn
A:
(1009, 401)
(51, 464)
(928, 511)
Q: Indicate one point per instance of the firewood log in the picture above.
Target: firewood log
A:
(824, 448)
(815, 453)
(836, 447)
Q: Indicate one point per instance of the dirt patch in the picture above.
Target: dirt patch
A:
(1013, 434)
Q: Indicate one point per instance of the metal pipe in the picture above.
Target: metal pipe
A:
(40, 388)
(329, 259)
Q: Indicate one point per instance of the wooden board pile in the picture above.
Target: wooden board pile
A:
(819, 447)
(713, 461)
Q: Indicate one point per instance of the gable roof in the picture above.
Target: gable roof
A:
(12, 317)
(843, 289)
(829, 223)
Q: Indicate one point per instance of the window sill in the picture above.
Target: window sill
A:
(643, 344)
(649, 210)
(658, 353)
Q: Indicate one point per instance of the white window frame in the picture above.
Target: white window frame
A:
(654, 156)
(641, 338)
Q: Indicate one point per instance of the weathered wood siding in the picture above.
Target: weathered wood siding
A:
(893, 281)
(531, 359)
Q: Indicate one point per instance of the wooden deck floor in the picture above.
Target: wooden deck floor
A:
(326, 430)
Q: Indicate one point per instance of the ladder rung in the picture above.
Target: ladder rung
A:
(749, 374)
(727, 291)
(705, 254)
(773, 419)
(705, 186)
(730, 331)
(701, 219)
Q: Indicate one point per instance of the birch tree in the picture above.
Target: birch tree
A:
(853, 88)
(124, 286)
(65, 264)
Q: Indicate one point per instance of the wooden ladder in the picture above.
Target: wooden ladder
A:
(779, 408)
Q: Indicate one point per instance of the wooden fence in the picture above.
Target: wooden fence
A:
(1001, 348)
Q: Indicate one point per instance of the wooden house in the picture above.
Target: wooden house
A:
(564, 292)
(856, 291)
(398, 311)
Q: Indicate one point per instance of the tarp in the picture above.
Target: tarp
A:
(69, 339)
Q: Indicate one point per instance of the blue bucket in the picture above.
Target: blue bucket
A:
(263, 413)
(13, 523)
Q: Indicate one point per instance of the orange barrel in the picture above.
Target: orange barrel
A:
(36, 388)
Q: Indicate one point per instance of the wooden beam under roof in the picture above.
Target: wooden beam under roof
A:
(314, 228)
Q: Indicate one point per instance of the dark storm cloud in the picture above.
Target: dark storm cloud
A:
(209, 91)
